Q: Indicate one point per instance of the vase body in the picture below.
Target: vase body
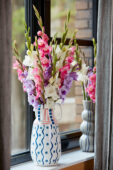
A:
(87, 127)
(45, 138)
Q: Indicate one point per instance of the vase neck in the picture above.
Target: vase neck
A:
(88, 105)
(45, 115)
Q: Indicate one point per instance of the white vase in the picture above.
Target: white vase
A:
(45, 138)
(87, 127)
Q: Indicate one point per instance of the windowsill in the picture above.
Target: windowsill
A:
(67, 159)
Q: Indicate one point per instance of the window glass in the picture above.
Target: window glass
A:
(81, 17)
(18, 102)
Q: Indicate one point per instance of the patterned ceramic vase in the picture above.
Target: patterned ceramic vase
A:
(45, 138)
(87, 127)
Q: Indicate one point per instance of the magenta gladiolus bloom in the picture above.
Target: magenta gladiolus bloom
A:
(91, 88)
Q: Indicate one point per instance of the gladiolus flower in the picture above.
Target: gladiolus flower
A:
(16, 64)
(69, 60)
(45, 37)
(41, 43)
(39, 33)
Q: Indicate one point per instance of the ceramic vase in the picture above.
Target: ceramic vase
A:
(45, 138)
(87, 127)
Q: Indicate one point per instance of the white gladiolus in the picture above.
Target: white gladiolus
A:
(29, 59)
(30, 74)
(61, 56)
(55, 81)
(50, 91)
(82, 74)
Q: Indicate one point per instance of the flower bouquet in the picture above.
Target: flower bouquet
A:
(48, 70)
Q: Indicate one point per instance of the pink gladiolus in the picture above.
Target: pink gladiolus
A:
(38, 95)
(41, 43)
(37, 79)
(69, 59)
(65, 68)
(93, 78)
(63, 74)
(39, 33)
(91, 88)
(45, 37)
(45, 62)
(41, 53)
(38, 82)
(20, 77)
(94, 69)
(36, 71)
(71, 51)
(93, 98)
(38, 90)
(64, 71)
(16, 65)
(46, 50)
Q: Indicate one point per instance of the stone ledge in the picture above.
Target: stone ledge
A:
(68, 159)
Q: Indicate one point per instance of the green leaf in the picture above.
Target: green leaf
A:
(68, 16)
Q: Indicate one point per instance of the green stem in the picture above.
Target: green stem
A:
(84, 95)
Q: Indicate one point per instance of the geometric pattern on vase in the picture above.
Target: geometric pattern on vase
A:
(45, 141)
(87, 127)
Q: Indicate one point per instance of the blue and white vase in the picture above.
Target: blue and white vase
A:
(45, 138)
(87, 127)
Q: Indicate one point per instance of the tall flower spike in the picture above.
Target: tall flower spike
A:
(41, 70)
(28, 38)
(39, 18)
(64, 35)
(17, 54)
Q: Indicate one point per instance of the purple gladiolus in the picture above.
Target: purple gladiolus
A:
(24, 76)
(68, 82)
(47, 75)
(73, 75)
(64, 90)
(31, 99)
(29, 86)
(77, 67)
(90, 71)
(36, 103)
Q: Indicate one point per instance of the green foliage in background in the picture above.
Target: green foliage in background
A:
(18, 28)
(59, 10)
